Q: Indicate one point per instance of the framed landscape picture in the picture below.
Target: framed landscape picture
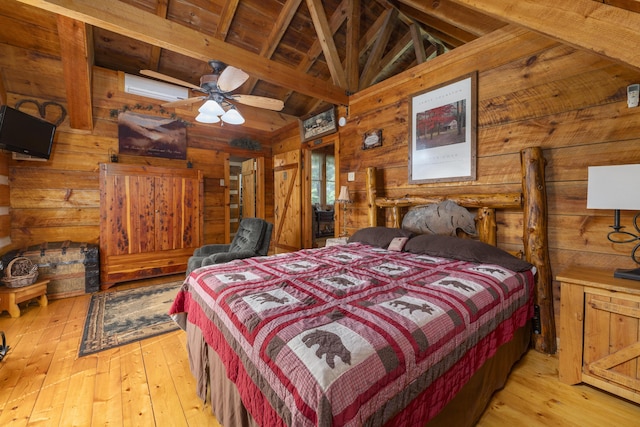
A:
(442, 132)
(145, 135)
(318, 125)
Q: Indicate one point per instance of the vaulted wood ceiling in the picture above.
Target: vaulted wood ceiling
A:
(306, 53)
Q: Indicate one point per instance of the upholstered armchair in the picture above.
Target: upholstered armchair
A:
(252, 239)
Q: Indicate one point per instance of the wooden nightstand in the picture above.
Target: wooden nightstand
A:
(11, 297)
(600, 331)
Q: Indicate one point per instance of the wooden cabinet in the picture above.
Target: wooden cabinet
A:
(151, 221)
(600, 331)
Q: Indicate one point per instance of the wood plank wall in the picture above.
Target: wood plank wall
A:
(531, 91)
(5, 202)
(59, 199)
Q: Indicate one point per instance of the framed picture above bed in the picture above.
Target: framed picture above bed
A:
(442, 132)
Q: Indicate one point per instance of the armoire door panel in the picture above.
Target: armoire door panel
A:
(151, 221)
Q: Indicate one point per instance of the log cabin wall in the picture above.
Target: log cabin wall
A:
(59, 199)
(5, 218)
(531, 91)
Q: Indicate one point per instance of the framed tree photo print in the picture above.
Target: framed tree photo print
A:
(442, 132)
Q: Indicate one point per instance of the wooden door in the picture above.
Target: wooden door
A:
(235, 201)
(287, 202)
(249, 188)
(307, 209)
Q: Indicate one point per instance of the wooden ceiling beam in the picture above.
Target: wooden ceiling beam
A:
(584, 24)
(325, 37)
(369, 37)
(418, 43)
(162, 8)
(136, 23)
(76, 49)
(275, 36)
(451, 12)
(226, 18)
(335, 21)
(449, 34)
(280, 26)
(352, 58)
(387, 61)
(370, 68)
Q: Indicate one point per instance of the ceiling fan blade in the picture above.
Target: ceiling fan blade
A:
(183, 102)
(169, 79)
(260, 102)
(231, 78)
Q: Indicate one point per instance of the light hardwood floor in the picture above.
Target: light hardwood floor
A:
(44, 383)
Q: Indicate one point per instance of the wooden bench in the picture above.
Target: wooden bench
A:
(11, 297)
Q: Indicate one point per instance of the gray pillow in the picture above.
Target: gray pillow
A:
(464, 250)
(378, 236)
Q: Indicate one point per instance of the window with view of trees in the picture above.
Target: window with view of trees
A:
(323, 185)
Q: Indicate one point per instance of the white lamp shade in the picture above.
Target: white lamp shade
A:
(344, 195)
(233, 117)
(207, 118)
(211, 107)
(613, 187)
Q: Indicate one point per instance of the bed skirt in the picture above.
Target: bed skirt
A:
(465, 409)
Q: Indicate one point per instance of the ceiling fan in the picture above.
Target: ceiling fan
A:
(217, 87)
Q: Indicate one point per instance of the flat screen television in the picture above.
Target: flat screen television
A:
(24, 133)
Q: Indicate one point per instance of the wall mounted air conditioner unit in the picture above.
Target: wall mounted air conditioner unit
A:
(149, 88)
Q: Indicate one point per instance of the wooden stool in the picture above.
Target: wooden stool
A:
(11, 297)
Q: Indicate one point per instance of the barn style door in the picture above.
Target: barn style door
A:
(287, 209)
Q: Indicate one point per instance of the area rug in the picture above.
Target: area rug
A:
(116, 318)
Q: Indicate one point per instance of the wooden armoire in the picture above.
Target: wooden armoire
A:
(150, 221)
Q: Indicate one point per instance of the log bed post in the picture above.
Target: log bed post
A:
(536, 244)
(486, 226)
(371, 196)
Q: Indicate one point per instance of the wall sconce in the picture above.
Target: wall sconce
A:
(189, 164)
(633, 95)
(342, 120)
(113, 156)
(609, 187)
(345, 199)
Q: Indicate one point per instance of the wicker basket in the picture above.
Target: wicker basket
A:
(20, 272)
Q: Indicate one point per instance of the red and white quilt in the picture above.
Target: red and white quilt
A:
(352, 334)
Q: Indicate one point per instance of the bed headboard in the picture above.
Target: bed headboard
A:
(532, 201)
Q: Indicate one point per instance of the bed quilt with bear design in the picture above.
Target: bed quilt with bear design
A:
(353, 334)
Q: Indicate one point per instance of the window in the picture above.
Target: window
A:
(323, 172)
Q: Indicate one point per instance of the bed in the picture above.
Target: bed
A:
(393, 328)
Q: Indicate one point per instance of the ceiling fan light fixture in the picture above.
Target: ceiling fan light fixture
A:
(207, 118)
(233, 117)
(211, 107)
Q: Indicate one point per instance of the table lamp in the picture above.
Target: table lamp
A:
(612, 187)
(345, 199)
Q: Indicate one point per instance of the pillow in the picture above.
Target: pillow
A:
(398, 243)
(378, 236)
(445, 218)
(464, 250)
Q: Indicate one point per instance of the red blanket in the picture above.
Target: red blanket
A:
(352, 334)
